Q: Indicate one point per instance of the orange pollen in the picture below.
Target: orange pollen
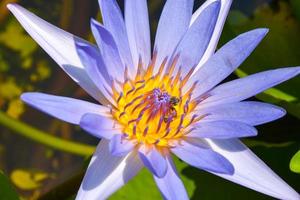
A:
(152, 108)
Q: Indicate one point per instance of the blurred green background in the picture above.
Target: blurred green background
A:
(43, 158)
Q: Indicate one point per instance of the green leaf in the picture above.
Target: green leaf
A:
(7, 192)
(257, 143)
(295, 163)
(280, 48)
(142, 185)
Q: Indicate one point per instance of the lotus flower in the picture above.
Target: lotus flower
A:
(164, 102)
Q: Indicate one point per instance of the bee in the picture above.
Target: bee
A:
(174, 101)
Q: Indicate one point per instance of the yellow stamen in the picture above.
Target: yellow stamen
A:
(151, 108)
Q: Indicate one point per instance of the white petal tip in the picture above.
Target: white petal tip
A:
(265, 30)
(260, 31)
(13, 7)
(94, 21)
(26, 96)
(10, 6)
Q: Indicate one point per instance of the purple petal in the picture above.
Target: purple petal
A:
(99, 126)
(225, 61)
(66, 109)
(107, 173)
(210, 50)
(249, 86)
(154, 161)
(170, 186)
(248, 112)
(109, 50)
(222, 130)
(250, 171)
(87, 52)
(194, 43)
(137, 26)
(114, 23)
(202, 157)
(60, 45)
(96, 69)
(173, 24)
(120, 146)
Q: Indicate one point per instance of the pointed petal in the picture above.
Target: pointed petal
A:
(248, 112)
(107, 173)
(154, 161)
(222, 130)
(138, 30)
(96, 69)
(64, 108)
(170, 186)
(250, 171)
(109, 50)
(202, 157)
(120, 146)
(225, 6)
(59, 44)
(99, 126)
(225, 61)
(114, 23)
(249, 86)
(173, 24)
(194, 43)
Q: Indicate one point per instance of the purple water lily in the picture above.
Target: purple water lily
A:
(166, 102)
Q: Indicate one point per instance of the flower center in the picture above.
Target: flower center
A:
(152, 108)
